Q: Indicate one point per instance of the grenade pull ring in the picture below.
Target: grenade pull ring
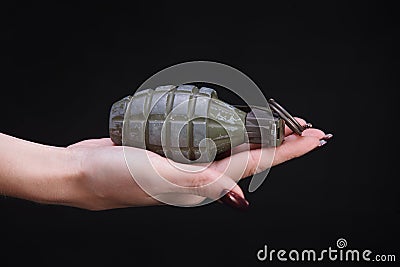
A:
(290, 121)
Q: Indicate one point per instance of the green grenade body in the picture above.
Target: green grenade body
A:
(187, 124)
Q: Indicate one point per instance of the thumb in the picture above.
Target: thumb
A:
(215, 186)
(162, 179)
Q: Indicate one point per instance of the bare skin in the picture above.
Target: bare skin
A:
(93, 174)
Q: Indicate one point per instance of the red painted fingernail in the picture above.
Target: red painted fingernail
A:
(234, 200)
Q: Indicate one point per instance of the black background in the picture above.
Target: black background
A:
(335, 64)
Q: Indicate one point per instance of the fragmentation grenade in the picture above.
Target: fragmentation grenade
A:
(188, 124)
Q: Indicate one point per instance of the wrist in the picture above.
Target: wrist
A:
(55, 178)
(36, 172)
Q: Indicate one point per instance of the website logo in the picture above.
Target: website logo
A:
(338, 253)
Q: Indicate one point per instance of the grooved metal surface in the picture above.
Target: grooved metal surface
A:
(186, 124)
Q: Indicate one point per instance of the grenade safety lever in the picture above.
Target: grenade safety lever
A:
(188, 124)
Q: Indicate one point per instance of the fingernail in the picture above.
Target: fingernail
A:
(322, 143)
(327, 137)
(234, 200)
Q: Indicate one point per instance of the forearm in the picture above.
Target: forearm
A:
(36, 172)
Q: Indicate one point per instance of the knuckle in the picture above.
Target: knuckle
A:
(203, 179)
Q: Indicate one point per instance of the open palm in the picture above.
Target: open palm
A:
(107, 182)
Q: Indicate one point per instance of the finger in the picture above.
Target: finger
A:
(258, 160)
(295, 146)
(246, 163)
(164, 180)
(193, 196)
(218, 187)
(244, 147)
(209, 184)
(288, 131)
(248, 146)
(313, 132)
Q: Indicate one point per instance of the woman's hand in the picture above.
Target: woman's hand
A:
(96, 175)
(105, 182)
